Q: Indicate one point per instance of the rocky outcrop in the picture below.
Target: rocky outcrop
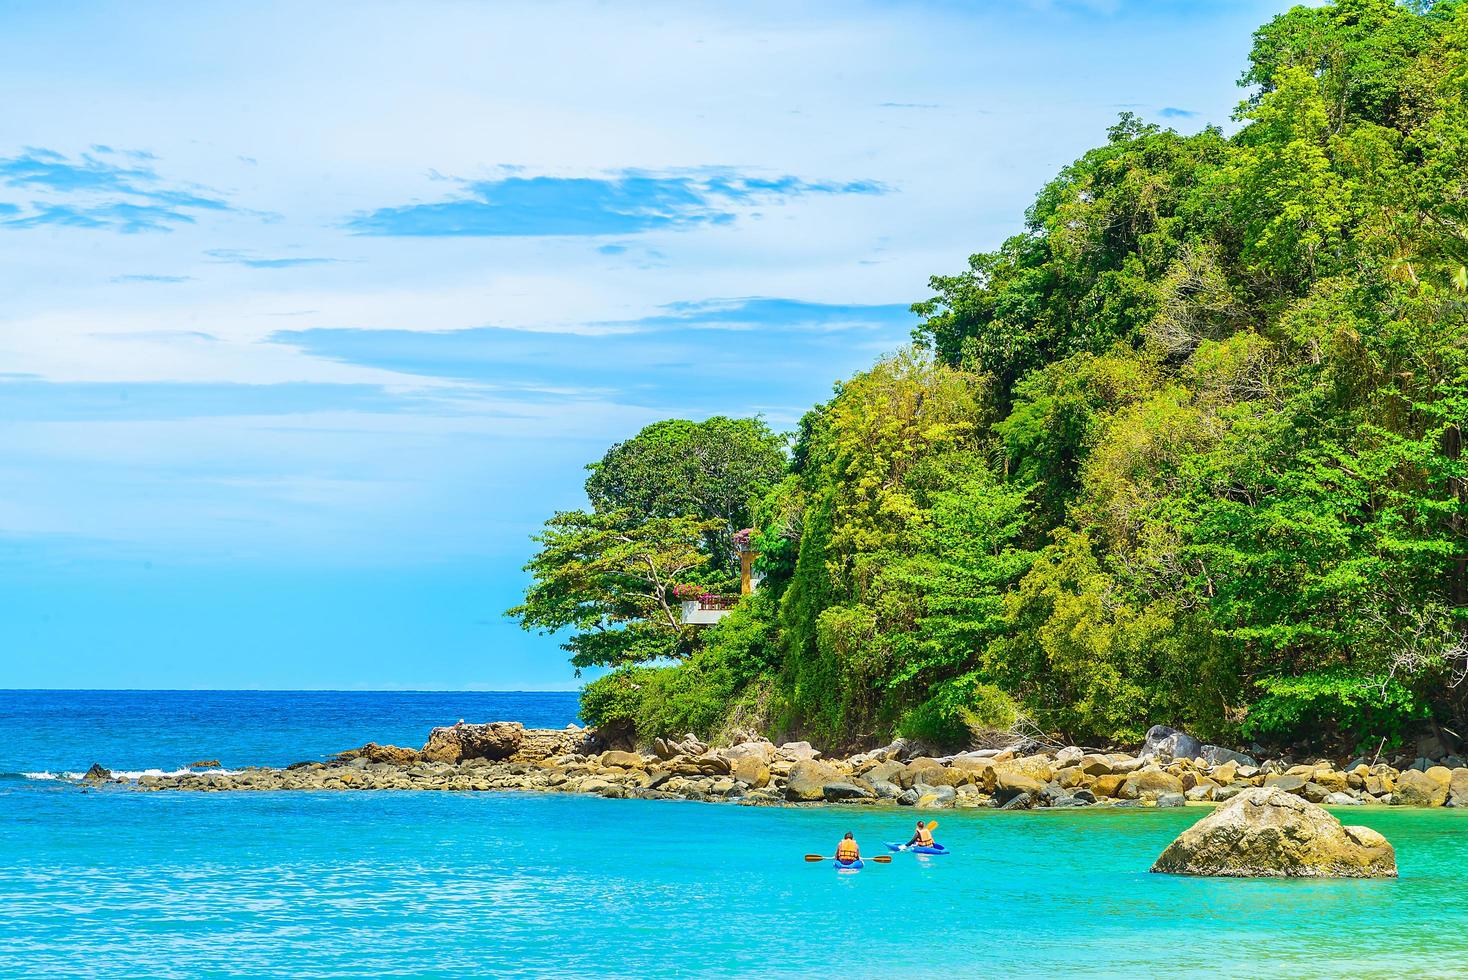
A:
(456, 743)
(97, 773)
(1269, 833)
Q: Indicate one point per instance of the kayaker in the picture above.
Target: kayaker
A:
(923, 837)
(847, 852)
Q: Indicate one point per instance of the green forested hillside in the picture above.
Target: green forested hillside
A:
(1186, 449)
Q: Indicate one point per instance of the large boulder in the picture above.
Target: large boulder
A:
(840, 791)
(1149, 784)
(807, 781)
(1265, 832)
(798, 752)
(454, 743)
(751, 770)
(1417, 788)
(1217, 755)
(623, 760)
(1169, 743)
(761, 750)
(1458, 788)
(696, 767)
(1013, 782)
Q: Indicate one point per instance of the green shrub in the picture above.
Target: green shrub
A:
(961, 711)
(1363, 707)
(613, 700)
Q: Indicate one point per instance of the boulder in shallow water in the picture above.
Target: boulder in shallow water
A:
(97, 773)
(1265, 832)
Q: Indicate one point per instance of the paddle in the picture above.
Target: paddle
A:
(880, 858)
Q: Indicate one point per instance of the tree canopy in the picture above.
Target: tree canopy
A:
(1188, 448)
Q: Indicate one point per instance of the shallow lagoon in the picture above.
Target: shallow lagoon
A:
(117, 883)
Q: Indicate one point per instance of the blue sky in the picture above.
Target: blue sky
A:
(313, 312)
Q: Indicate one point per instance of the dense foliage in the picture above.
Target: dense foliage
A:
(1187, 449)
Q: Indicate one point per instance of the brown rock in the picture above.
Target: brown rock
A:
(1458, 787)
(917, 771)
(1289, 783)
(392, 755)
(1072, 776)
(1109, 785)
(752, 771)
(1149, 784)
(700, 766)
(1269, 833)
(1428, 788)
(807, 781)
(624, 760)
(455, 743)
(1013, 782)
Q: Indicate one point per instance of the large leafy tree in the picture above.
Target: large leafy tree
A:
(610, 579)
(665, 504)
(711, 470)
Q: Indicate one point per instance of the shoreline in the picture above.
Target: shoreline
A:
(506, 756)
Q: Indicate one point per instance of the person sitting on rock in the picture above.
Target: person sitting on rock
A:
(847, 852)
(922, 838)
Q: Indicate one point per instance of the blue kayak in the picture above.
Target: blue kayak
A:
(853, 866)
(918, 848)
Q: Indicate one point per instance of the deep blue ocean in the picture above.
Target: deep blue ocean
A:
(114, 883)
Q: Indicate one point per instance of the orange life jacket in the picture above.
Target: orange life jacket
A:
(924, 837)
(846, 851)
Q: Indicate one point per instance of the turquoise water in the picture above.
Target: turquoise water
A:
(112, 883)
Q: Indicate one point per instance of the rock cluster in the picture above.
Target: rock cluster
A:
(1169, 771)
(1266, 832)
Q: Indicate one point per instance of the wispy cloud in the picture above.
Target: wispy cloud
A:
(252, 260)
(623, 203)
(908, 105)
(684, 357)
(33, 401)
(1173, 112)
(144, 277)
(103, 188)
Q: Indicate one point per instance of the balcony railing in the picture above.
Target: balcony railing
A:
(717, 601)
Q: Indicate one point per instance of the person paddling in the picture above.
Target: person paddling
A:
(922, 838)
(847, 852)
